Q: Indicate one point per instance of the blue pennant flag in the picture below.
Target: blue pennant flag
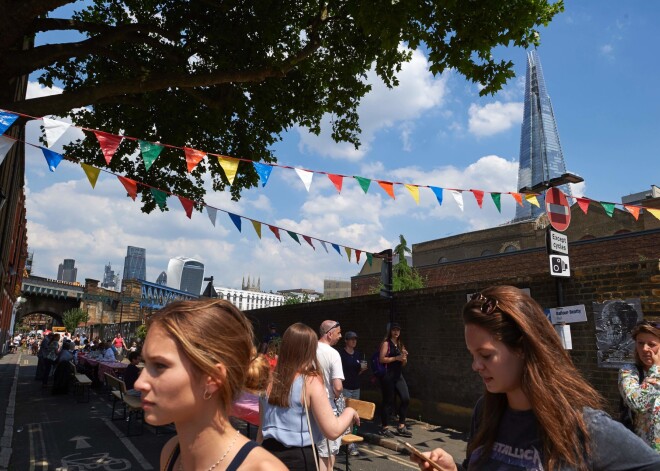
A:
(438, 193)
(263, 171)
(53, 158)
(336, 247)
(6, 120)
(236, 219)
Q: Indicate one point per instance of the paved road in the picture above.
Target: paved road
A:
(57, 433)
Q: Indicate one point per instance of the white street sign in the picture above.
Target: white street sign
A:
(568, 314)
(559, 266)
(558, 242)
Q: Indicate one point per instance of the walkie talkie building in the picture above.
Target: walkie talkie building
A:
(541, 157)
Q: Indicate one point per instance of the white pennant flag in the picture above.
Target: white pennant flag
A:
(458, 197)
(5, 146)
(54, 130)
(212, 212)
(305, 176)
(323, 244)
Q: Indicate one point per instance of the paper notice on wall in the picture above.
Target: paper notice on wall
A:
(564, 332)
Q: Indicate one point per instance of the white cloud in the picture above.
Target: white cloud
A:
(36, 90)
(383, 108)
(607, 50)
(494, 118)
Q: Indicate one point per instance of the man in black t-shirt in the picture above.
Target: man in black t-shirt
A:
(353, 363)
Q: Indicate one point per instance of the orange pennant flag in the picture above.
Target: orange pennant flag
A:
(634, 210)
(518, 198)
(388, 187)
(479, 196)
(583, 203)
(187, 205)
(193, 157)
(336, 180)
(130, 185)
(655, 212)
(109, 143)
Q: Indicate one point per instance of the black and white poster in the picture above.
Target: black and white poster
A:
(614, 322)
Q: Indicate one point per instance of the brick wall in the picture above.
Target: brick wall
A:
(439, 375)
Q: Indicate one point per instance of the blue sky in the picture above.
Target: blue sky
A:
(600, 69)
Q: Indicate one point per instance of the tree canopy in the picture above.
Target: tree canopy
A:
(232, 76)
(73, 317)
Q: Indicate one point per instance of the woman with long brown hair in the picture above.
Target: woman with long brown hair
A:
(197, 358)
(639, 384)
(394, 356)
(295, 412)
(537, 412)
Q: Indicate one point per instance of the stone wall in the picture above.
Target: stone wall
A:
(441, 381)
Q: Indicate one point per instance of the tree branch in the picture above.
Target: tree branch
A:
(16, 19)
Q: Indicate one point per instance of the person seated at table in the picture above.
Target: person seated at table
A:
(197, 357)
(108, 353)
(131, 373)
(66, 354)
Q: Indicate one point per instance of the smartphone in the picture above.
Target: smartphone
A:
(418, 454)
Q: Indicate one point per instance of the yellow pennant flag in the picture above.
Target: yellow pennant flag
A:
(414, 191)
(532, 200)
(348, 252)
(230, 166)
(92, 173)
(655, 212)
(257, 227)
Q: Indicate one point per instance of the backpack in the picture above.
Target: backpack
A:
(377, 368)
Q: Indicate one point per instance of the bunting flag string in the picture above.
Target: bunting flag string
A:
(109, 144)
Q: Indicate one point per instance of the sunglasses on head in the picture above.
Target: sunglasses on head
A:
(488, 305)
(333, 327)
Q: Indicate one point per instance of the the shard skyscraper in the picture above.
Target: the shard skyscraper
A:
(541, 157)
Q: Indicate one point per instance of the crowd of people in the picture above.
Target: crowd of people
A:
(537, 412)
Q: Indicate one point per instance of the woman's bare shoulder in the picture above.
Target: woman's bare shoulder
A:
(167, 450)
(260, 459)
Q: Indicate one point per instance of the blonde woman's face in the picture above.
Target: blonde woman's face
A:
(647, 345)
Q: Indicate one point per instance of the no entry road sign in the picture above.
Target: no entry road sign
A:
(556, 205)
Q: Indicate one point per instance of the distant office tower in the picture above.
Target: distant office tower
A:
(67, 271)
(541, 157)
(185, 274)
(135, 263)
(109, 278)
(162, 279)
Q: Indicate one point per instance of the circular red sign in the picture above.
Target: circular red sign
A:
(559, 212)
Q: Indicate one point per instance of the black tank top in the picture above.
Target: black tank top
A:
(233, 466)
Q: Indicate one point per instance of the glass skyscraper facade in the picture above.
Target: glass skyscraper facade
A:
(135, 263)
(185, 274)
(67, 271)
(541, 157)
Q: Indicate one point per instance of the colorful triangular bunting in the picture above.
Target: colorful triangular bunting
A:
(52, 158)
(634, 210)
(479, 196)
(531, 199)
(257, 227)
(654, 212)
(212, 213)
(437, 191)
(6, 120)
(193, 157)
(324, 246)
(388, 187)
(370, 259)
(306, 177)
(336, 247)
(150, 152)
(130, 185)
(357, 255)
(414, 191)
(188, 206)
(236, 219)
(263, 171)
(458, 197)
(348, 252)
(583, 203)
(276, 231)
(608, 207)
(308, 239)
(5, 146)
(518, 198)
(160, 197)
(497, 197)
(53, 129)
(109, 144)
(230, 167)
(294, 236)
(92, 173)
(364, 183)
(337, 180)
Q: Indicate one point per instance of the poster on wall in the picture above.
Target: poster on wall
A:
(615, 320)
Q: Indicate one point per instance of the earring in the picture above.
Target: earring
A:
(207, 395)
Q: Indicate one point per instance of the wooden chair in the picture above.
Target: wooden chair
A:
(366, 411)
(132, 404)
(81, 383)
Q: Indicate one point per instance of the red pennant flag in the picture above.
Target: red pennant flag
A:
(109, 144)
(583, 203)
(518, 198)
(337, 180)
(634, 210)
(357, 255)
(187, 205)
(479, 195)
(308, 239)
(388, 187)
(130, 185)
(193, 157)
(276, 231)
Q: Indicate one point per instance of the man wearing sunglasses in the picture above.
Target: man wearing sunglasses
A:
(333, 375)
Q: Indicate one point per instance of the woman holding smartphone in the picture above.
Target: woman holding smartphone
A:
(537, 412)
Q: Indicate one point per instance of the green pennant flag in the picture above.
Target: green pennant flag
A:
(364, 183)
(609, 208)
(294, 236)
(370, 258)
(496, 199)
(150, 152)
(160, 197)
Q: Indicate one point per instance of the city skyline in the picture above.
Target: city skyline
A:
(433, 130)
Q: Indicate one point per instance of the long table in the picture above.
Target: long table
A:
(114, 368)
(246, 408)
